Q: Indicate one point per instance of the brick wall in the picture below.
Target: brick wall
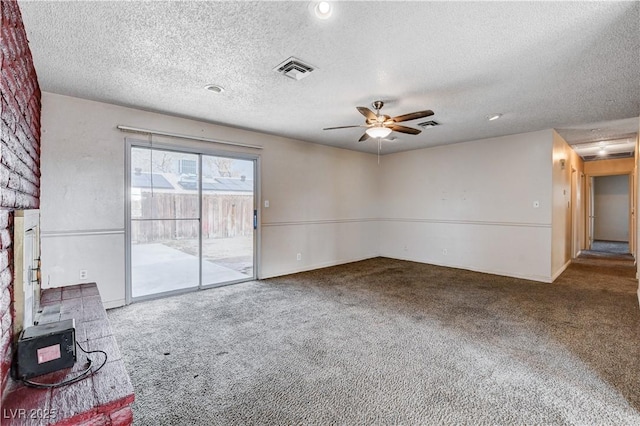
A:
(19, 156)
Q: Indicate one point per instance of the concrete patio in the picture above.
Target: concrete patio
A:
(157, 268)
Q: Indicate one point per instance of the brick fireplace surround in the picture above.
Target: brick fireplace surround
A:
(19, 157)
(108, 402)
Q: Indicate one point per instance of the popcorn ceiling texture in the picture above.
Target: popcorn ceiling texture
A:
(543, 64)
(19, 157)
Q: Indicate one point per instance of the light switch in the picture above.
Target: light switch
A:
(536, 204)
(266, 204)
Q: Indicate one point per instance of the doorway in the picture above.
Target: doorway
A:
(192, 220)
(610, 214)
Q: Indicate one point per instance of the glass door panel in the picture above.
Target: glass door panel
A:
(228, 235)
(164, 256)
(165, 221)
(164, 184)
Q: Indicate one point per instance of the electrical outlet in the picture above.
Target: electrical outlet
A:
(266, 204)
(405, 248)
(83, 274)
(299, 256)
(445, 252)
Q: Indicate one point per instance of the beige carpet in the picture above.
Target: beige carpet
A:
(390, 342)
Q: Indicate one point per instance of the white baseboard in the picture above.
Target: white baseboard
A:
(113, 304)
(316, 266)
(560, 271)
(538, 278)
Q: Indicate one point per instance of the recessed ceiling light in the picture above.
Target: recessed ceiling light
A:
(493, 117)
(323, 9)
(214, 88)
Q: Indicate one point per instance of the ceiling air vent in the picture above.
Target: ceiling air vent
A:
(428, 124)
(294, 68)
(620, 155)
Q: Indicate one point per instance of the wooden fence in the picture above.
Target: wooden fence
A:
(223, 216)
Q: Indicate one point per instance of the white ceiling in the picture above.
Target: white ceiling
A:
(574, 66)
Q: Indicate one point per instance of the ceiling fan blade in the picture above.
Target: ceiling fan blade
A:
(404, 129)
(412, 116)
(364, 137)
(341, 127)
(367, 113)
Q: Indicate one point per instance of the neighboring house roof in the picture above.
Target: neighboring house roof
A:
(145, 180)
(189, 182)
(227, 184)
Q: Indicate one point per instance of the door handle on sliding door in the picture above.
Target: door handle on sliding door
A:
(255, 219)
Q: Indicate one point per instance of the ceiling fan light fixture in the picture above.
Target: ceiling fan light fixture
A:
(323, 10)
(378, 132)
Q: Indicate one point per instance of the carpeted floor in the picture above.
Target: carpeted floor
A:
(607, 253)
(608, 249)
(617, 247)
(390, 342)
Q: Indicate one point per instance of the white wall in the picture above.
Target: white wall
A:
(467, 205)
(611, 202)
(322, 199)
(322, 204)
(476, 201)
(561, 220)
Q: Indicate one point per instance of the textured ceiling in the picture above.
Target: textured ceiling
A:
(542, 65)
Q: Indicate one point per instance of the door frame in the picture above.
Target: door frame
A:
(590, 207)
(200, 151)
(575, 212)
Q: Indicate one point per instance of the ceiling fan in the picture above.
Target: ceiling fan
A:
(379, 126)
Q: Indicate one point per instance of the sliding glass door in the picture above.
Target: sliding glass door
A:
(191, 220)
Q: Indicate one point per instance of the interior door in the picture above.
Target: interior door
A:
(591, 224)
(575, 199)
(632, 214)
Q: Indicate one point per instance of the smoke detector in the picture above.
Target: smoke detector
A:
(294, 68)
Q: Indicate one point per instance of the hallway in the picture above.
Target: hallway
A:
(608, 254)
